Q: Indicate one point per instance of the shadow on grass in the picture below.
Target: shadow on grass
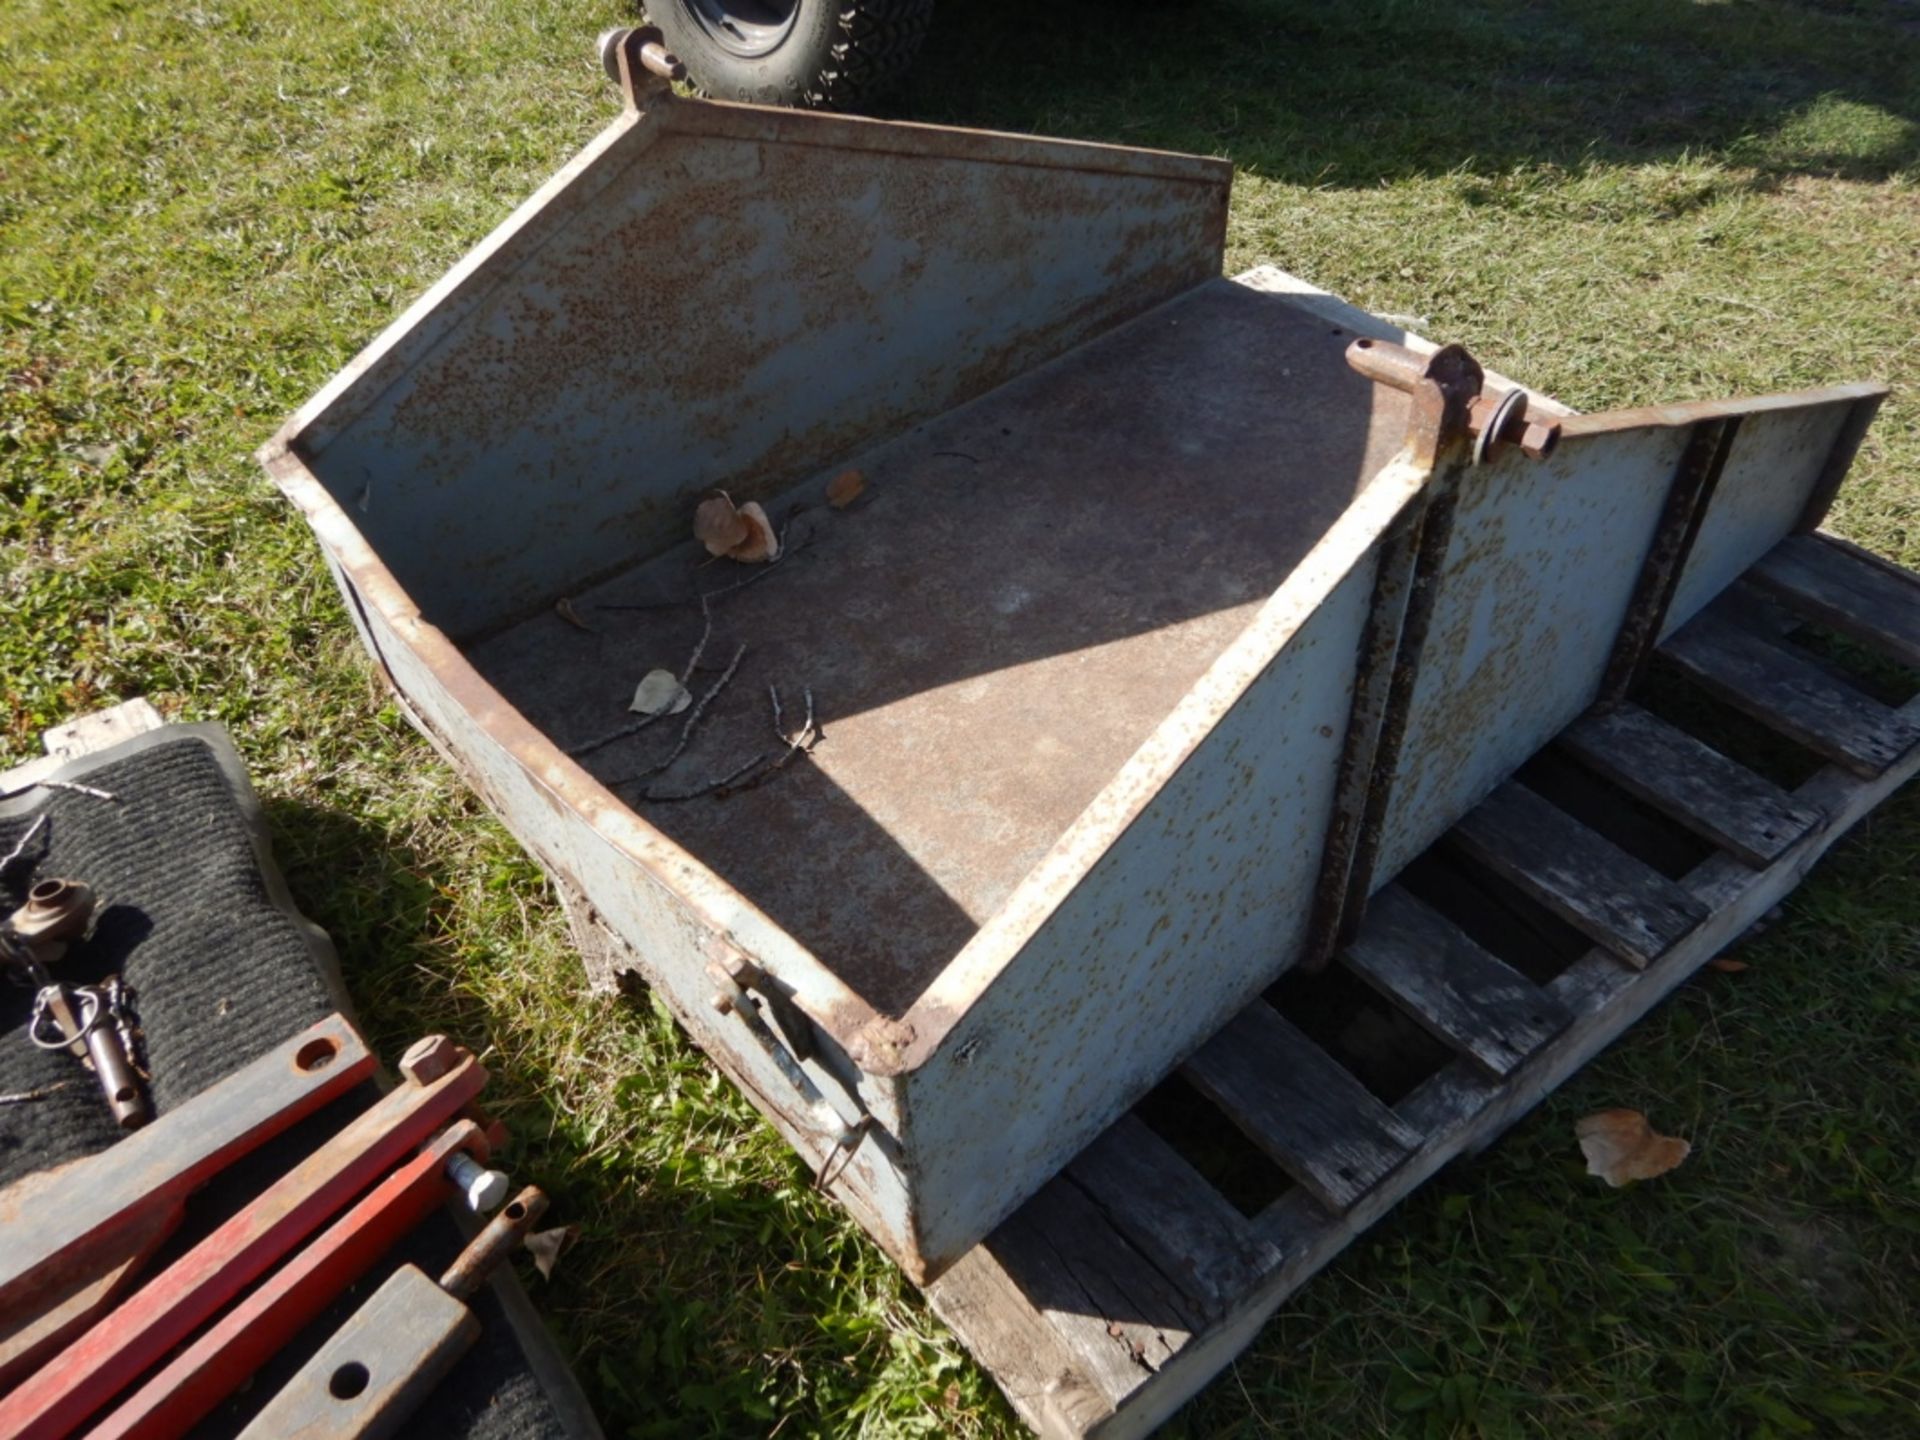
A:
(1367, 91)
(709, 1291)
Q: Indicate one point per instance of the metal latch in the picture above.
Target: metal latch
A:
(730, 997)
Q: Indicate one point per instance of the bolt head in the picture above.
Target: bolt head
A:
(481, 1188)
(428, 1059)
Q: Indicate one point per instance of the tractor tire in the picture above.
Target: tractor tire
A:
(813, 54)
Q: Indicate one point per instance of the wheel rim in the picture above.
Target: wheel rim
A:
(748, 28)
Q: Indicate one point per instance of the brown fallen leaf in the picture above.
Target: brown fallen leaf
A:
(845, 488)
(1621, 1147)
(547, 1246)
(1727, 965)
(761, 542)
(719, 526)
(563, 607)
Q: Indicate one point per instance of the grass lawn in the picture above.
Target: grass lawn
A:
(207, 207)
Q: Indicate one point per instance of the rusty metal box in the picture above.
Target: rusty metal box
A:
(1108, 658)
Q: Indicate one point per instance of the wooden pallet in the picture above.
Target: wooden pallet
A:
(1123, 1287)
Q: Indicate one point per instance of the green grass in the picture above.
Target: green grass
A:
(206, 209)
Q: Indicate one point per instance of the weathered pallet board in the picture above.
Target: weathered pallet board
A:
(1598, 888)
(1291, 1099)
(1846, 590)
(1092, 1371)
(1791, 693)
(1690, 782)
(1442, 979)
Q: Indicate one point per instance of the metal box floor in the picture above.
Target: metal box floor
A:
(1030, 585)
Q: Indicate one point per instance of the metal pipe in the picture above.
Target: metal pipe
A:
(504, 1234)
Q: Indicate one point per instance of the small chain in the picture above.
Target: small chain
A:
(119, 997)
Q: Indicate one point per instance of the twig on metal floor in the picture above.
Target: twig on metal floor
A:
(733, 783)
(799, 743)
(8, 860)
(612, 735)
(77, 788)
(634, 727)
(718, 783)
(693, 721)
(25, 1097)
(706, 634)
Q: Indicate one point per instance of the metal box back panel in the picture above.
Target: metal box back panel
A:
(715, 295)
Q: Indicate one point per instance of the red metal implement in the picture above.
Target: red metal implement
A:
(76, 1233)
(247, 1336)
(441, 1078)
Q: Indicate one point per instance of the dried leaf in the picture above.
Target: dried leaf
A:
(718, 525)
(1621, 1146)
(1726, 965)
(563, 607)
(845, 488)
(547, 1246)
(761, 543)
(660, 693)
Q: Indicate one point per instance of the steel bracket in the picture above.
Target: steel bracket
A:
(1688, 495)
(1441, 438)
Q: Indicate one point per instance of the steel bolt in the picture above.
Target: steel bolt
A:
(428, 1059)
(483, 1189)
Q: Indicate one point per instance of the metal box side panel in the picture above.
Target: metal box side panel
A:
(721, 297)
(1199, 904)
(671, 945)
(1183, 890)
(1777, 460)
(676, 916)
(1544, 560)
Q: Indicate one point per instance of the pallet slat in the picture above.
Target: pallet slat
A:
(1114, 1310)
(1691, 783)
(1857, 597)
(1599, 889)
(1791, 694)
(1183, 1226)
(1462, 995)
(1293, 1100)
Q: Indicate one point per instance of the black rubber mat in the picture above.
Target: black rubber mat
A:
(195, 918)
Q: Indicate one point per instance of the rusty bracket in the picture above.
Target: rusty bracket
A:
(730, 997)
(795, 1026)
(638, 61)
(1690, 492)
(1453, 425)
(1450, 404)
